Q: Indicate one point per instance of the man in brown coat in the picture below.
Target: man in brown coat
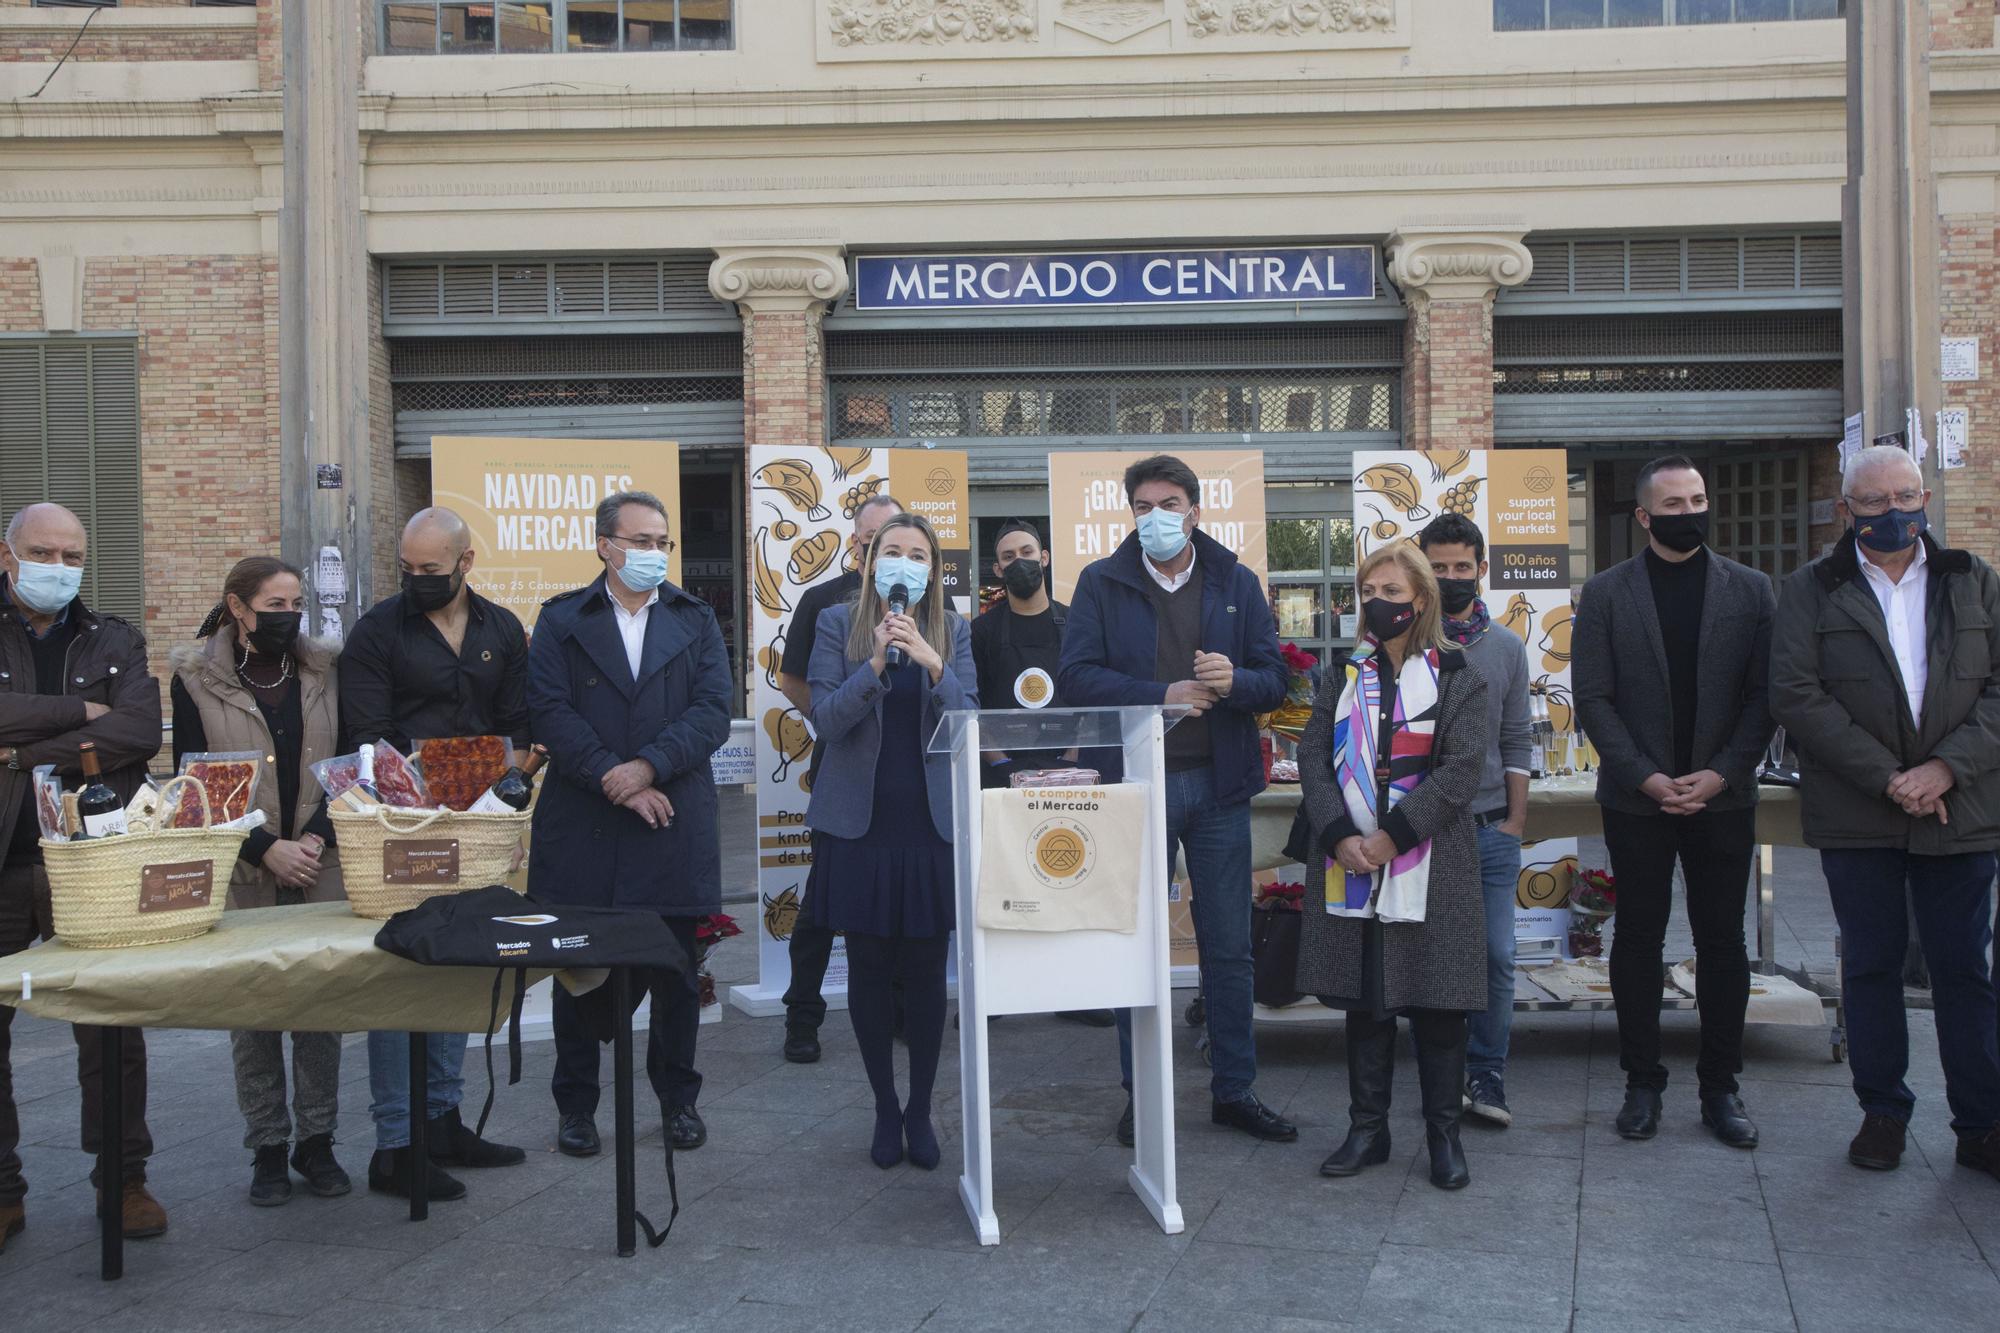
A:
(67, 675)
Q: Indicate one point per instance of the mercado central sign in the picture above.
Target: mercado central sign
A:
(1115, 277)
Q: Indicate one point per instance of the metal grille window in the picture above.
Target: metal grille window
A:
(504, 27)
(1667, 354)
(69, 432)
(1758, 509)
(1543, 15)
(1698, 267)
(543, 290)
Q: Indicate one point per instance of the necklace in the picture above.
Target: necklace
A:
(284, 672)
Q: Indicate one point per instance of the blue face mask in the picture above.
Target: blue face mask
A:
(1162, 534)
(1897, 530)
(47, 589)
(893, 569)
(643, 571)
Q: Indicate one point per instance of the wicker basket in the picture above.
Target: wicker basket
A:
(434, 852)
(142, 887)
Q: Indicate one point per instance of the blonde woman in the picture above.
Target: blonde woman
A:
(882, 872)
(1394, 926)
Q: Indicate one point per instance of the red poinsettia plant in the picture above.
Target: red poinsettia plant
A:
(1595, 892)
(1280, 897)
(710, 931)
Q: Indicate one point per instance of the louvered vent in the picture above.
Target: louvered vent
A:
(524, 290)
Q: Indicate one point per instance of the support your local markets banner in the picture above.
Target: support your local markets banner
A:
(1520, 500)
(802, 505)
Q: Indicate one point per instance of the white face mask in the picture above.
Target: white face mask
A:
(47, 589)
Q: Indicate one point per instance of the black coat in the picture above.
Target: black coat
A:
(585, 707)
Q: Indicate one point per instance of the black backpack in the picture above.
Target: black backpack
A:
(510, 932)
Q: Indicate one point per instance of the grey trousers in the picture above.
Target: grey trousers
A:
(260, 1056)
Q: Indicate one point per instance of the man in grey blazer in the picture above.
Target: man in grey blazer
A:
(1670, 659)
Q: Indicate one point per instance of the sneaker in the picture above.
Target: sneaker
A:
(1486, 1098)
(313, 1159)
(270, 1182)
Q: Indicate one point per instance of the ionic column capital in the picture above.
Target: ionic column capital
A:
(1458, 261)
(764, 278)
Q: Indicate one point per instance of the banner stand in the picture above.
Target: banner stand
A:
(1040, 972)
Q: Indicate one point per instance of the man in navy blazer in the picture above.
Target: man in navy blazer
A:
(1171, 617)
(629, 688)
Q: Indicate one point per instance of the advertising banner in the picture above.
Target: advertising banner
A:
(532, 507)
(1520, 500)
(1299, 274)
(803, 499)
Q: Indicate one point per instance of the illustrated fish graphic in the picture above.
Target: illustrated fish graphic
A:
(794, 479)
(1396, 484)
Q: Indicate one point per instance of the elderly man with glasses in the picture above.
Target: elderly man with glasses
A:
(1885, 669)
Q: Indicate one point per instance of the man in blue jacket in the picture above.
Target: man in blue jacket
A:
(1170, 617)
(629, 688)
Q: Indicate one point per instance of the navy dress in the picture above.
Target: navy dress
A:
(896, 880)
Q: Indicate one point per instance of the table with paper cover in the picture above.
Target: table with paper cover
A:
(311, 968)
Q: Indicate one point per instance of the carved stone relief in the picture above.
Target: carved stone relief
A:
(1209, 18)
(876, 30)
(933, 22)
(1112, 20)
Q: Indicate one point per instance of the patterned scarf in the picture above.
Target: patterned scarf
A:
(1396, 892)
(1475, 623)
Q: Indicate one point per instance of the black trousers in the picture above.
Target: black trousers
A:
(676, 1020)
(1714, 850)
(811, 949)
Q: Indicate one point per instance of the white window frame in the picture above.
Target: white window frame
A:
(558, 31)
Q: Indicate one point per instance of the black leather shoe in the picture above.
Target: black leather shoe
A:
(685, 1129)
(270, 1183)
(1879, 1145)
(1724, 1115)
(1448, 1169)
(801, 1044)
(313, 1159)
(1981, 1153)
(389, 1173)
(452, 1143)
(577, 1137)
(1640, 1116)
(1365, 1145)
(1125, 1123)
(1255, 1119)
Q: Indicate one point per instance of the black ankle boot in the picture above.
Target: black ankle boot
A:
(270, 1183)
(1371, 1069)
(313, 1159)
(1441, 1074)
(389, 1173)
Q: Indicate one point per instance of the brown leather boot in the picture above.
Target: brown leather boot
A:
(141, 1217)
(13, 1221)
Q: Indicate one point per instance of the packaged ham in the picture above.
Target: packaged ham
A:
(48, 803)
(229, 778)
(337, 774)
(398, 782)
(457, 770)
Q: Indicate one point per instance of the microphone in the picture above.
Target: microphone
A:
(899, 604)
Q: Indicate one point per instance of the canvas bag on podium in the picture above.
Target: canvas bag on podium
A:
(1038, 971)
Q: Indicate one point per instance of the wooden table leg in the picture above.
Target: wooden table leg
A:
(111, 1153)
(420, 1106)
(621, 1096)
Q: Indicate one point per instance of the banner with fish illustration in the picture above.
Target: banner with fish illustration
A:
(1520, 500)
(532, 508)
(802, 500)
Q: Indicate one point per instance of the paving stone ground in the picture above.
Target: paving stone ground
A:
(787, 1225)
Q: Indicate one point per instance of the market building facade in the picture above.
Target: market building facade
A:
(1003, 226)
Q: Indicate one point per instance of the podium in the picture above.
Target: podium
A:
(1038, 972)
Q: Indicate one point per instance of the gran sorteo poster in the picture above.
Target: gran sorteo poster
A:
(803, 499)
(1520, 500)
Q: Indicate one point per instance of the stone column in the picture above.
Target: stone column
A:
(782, 293)
(1449, 275)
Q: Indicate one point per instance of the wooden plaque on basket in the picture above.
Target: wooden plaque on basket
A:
(420, 861)
(176, 886)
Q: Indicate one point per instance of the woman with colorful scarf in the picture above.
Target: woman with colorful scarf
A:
(1394, 919)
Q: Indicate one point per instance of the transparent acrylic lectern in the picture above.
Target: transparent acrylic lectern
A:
(1038, 972)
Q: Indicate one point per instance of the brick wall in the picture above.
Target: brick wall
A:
(270, 46)
(38, 45)
(208, 416)
(1448, 375)
(1961, 25)
(784, 386)
(1969, 269)
(20, 296)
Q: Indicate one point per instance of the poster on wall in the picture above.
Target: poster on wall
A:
(1520, 500)
(803, 499)
(532, 507)
(1089, 517)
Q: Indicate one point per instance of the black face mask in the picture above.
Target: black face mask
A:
(1680, 532)
(276, 632)
(1457, 595)
(431, 592)
(1387, 619)
(1024, 578)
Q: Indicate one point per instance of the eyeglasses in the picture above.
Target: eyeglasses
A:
(664, 545)
(1869, 506)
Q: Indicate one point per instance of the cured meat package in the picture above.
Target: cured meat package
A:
(230, 780)
(397, 781)
(457, 770)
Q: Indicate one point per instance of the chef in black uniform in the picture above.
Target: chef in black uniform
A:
(1015, 648)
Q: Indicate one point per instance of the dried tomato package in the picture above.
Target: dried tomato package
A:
(397, 781)
(230, 779)
(459, 769)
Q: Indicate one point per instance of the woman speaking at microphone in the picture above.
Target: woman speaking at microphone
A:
(1394, 925)
(885, 668)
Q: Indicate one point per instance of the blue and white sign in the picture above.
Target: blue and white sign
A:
(1315, 273)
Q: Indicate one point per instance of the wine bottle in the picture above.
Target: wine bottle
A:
(362, 794)
(103, 814)
(511, 792)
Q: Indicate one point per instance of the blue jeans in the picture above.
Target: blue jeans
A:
(389, 1081)
(1487, 1032)
(1216, 839)
(1951, 898)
